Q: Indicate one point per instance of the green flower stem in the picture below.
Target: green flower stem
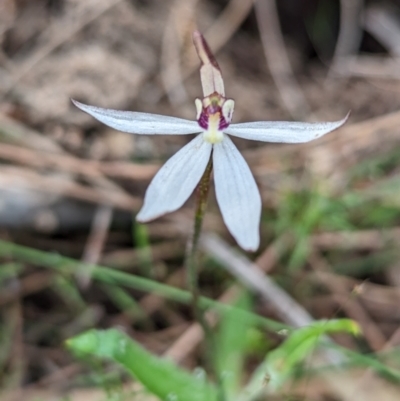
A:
(192, 256)
(192, 269)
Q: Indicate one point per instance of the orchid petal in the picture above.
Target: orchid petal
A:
(176, 180)
(237, 194)
(140, 123)
(283, 131)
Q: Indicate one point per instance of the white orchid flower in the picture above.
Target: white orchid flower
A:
(236, 190)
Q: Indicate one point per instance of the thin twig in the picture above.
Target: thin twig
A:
(57, 33)
(350, 32)
(75, 165)
(382, 23)
(356, 240)
(278, 60)
(228, 22)
(289, 309)
(179, 19)
(350, 305)
(249, 274)
(189, 340)
(12, 178)
(95, 242)
(223, 28)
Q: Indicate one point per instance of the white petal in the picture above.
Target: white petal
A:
(176, 180)
(237, 194)
(283, 131)
(140, 123)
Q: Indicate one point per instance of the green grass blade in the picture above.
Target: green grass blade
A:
(280, 364)
(115, 277)
(161, 377)
(232, 344)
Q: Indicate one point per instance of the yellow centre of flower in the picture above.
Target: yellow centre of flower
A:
(213, 134)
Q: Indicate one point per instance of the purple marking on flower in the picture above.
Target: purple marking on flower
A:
(223, 124)
(212, 105)
(203, 120)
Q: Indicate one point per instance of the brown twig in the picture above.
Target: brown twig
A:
(14, 177)
(190, 339)
(57, 33)
(95, 243)
(217, 35)
(180, 18)
(382, 23)
(130, 258)
(278, 60)
(74, 165)
(356, 240)
(28, 285)
(349, 304)
(350, 32)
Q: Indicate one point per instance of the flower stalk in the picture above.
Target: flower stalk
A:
(192, 265)
(201, 205)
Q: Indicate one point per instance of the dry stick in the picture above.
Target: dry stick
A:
(194, 334)
(16, 365)
(228, 22)
(351, 306)
(58, 33)
(130, 258)
(75, 165)
(393, 274)
(356, 240)
(218, 34)
(150, 303)
(18, 133)
(28, 285)
(108, 192)
(250, 275)
(369, 375)
(278, 60)
(179, 19)
(379, 67)
(95, 243)
(350, 32)
(381, 22)
(393, 341)
(288, 309)
(190, 339)
(10, 176)
(380, 300)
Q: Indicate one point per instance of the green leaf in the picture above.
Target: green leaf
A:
(161, 377)
(283, 360)
(281, 363)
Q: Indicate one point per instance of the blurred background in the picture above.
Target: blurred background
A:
(71, 186)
